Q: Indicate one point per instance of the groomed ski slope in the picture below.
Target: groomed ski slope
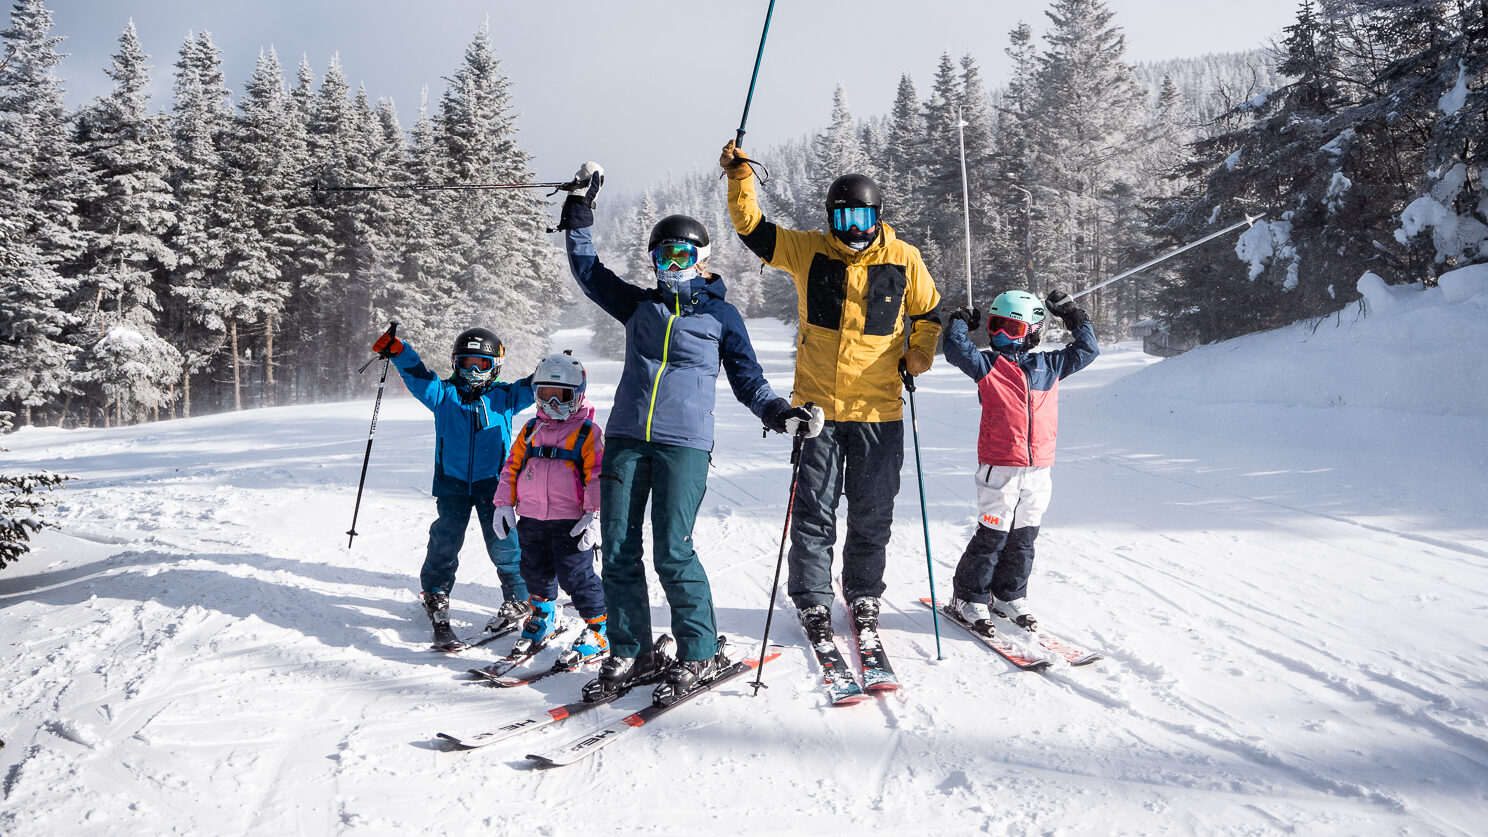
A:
(1280, 542)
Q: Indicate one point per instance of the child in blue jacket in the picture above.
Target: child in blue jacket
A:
(472, 432)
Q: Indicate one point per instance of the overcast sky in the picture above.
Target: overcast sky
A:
(646, 87)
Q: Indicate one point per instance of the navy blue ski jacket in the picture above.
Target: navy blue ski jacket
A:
(673, 350)
(472, 434)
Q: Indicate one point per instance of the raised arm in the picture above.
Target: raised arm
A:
(959, 350)
(617, 297)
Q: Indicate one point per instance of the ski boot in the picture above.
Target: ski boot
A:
(976, 614)
(864, 613)
(540, 627)
(1016, 611)
(591, 644)
(817, 620)
(686, 676)
(510, 614)
(436, 604)
(620, 674)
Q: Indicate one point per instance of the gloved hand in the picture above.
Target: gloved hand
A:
(587, 531)
(583, 190)
(971, 316)
(504, 522)
(916, 362)
(1062, 305)
(586, 182)
(779, 412)
(734, 162)
(387, 345)
(810, 427)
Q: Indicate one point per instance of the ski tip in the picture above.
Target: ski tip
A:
(452, 742)
(850, 700)
(541, 762)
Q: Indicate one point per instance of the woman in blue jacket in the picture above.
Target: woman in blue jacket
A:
(472, 435)
(659, 438)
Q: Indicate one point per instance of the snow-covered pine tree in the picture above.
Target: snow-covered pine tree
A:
(902, 177)
(1082, 130)
(1439, 83)
(838, 149)
(1012, 253)
(38, 180)
(126, 367)
(21, 503)
(263, 157)
(199, 305)
(508, 276)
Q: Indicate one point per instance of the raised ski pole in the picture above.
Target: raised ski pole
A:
(914, 423)
(435, 187)
(758, 57)
(366, 457)
(796, 442)
(1249, 221)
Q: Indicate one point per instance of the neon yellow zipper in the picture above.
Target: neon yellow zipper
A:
(666, 347)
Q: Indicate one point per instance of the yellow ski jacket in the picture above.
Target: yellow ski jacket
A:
(852, 307)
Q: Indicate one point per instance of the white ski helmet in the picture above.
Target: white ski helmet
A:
(557, 384)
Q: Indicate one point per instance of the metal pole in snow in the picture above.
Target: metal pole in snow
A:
(1249, 220)
(965, 199)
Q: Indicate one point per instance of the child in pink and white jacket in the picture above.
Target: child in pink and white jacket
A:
(549, 492)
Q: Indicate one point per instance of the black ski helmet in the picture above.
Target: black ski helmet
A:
(854, 190)
(479, 341)
(679, 228)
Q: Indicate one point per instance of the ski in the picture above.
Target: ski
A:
(1010, 651)
(837, 677)
(538, 721)
(557, 713)
(590, 743)
(878, 675)
(560, 667)
(1072, 654)
(523, 651)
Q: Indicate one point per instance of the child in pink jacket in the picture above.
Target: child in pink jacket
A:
(549, 492)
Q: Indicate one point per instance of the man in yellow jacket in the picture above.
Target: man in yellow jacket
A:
(855, 285)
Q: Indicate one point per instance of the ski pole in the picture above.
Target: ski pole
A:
(376, 406)
(796, 443)
(433, 187)
(965, 198)
(1249, 220)
(914, 423)
(759, 56)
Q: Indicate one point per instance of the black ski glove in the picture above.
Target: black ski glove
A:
(578, 207)
(971, 316)
(780, 411)
(1062, 305)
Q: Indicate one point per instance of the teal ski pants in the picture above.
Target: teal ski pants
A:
(673, 479)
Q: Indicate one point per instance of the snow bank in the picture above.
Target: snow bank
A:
(1402, 347)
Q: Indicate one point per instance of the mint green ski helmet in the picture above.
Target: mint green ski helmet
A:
(1018, 307)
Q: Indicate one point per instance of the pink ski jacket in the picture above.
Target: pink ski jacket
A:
(552, 472)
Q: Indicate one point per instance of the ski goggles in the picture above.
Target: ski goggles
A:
(674, 255)
(864, 218)
(480, 363)
(549, 394)
(1015, 329)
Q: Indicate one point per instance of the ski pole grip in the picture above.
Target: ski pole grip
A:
(393, 328)
(908, 379)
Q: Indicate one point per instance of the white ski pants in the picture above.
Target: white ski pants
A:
(1011, 496)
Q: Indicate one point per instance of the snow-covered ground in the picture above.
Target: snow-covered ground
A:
(1280, 543)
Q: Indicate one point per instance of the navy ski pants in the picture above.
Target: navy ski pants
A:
(447, 535)
(551, 559)
(997, 563)
(859, 460)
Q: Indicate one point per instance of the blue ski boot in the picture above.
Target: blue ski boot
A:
(543, 623)
(591, 644)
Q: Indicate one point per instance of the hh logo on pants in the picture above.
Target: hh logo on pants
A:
(991, 520)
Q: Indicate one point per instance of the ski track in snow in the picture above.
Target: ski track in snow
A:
(1290, 644)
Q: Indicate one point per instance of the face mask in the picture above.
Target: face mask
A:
(676, 281)
(1003, 343)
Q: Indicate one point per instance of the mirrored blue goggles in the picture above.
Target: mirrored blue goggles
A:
(675, 255)
(864, 218)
